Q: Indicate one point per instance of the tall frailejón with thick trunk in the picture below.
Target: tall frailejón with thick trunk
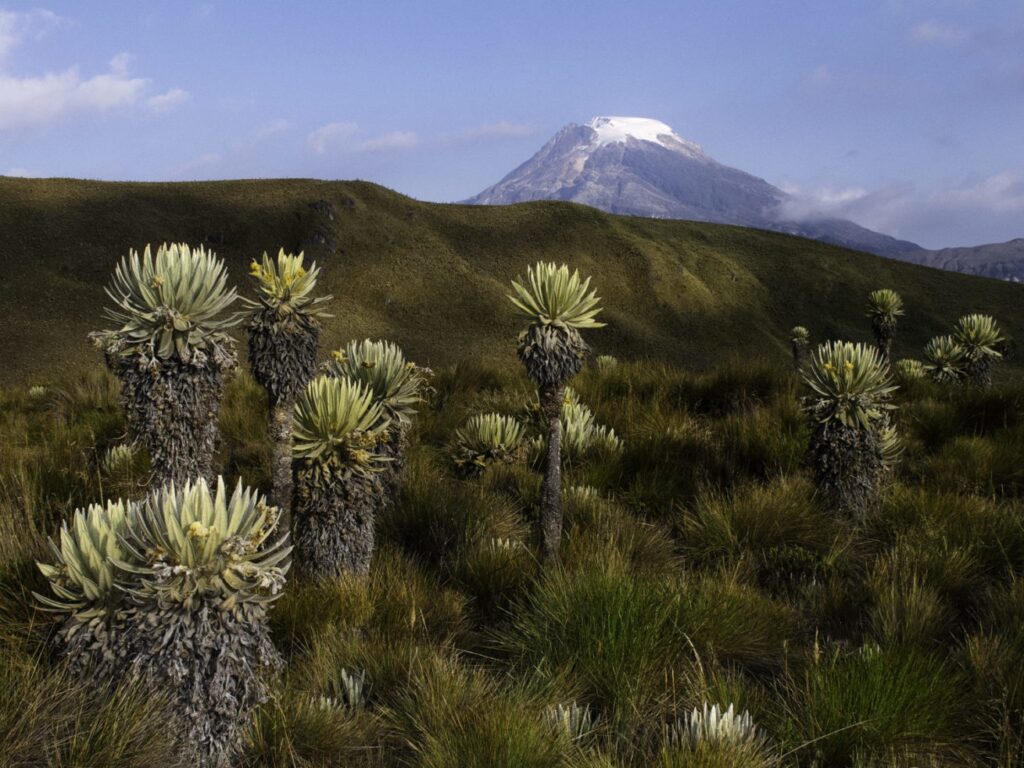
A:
(853, 443)
(284, 334)
(559, 304)
(173, 591)
(338, 432)
(171, 351)
(398, 386)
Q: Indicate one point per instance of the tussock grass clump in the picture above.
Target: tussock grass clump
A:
(439, 519)
(452, 716)
(755, 520)
(604, 631)
(735, 623)
(873, 704)
(51, 717)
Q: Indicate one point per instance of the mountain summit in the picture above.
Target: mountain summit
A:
(641, 167)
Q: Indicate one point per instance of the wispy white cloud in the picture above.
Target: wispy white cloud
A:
(934, 32)
(970, 211)
(502, 129)
(36, 100)
(326, 136)
(395, 140)
(261, 134)
(22, 172)
(19, 26)
(168, 100)
(203, 162)
(39, 99)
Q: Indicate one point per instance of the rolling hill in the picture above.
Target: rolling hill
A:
(433, 277)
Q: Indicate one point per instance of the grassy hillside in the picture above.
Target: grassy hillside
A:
(433, 277)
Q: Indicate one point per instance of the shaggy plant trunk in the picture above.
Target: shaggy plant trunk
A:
(799, 355)
(282, 359)
(280, 428)
(848, 468)
(95, 650)
(551, 491)
(885, 332)
(215, 663)
(171, 408)
(979, 372)
(394, 448)
(333, 524)
(552, 355)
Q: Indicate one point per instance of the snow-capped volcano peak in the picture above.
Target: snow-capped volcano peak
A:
(613, 130)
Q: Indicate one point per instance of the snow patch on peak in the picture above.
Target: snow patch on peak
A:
(612, 130)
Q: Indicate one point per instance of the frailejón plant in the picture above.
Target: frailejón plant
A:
(173, 590)
(284, 333)
(909, 369)
(487, 438)
(849, 406)
(944, 360)
(82, 578)
(119, 458)
(800, 342)
(570, 721)
(981, 340)
(885, 307)
(398, 386)
(711, 725)
(581, 434)
(170, 351)
(559, 305)
(338, 432)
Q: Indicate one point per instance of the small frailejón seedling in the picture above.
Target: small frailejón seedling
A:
(398, 386)
(908, 369)
(981, 340)
(885, 307)
(852, 444)
(944, 360)
(339, 429)
(173, 590)
(284, 334)
(711, 725)
(570, 721)
(581, 434)
(559, 304)
(170, 352)
(800, 342)
(485, 439)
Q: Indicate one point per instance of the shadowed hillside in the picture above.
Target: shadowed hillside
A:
(433, 277)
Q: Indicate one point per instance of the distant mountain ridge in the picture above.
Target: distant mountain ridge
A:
(1003, 261)
(641, 167)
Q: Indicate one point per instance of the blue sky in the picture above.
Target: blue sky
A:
(904, 115)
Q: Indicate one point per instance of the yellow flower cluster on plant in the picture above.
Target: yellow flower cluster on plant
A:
(285, 283)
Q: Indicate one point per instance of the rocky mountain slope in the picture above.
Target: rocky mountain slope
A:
(641, 167)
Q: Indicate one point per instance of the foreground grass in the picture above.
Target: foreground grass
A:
(699, 568)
